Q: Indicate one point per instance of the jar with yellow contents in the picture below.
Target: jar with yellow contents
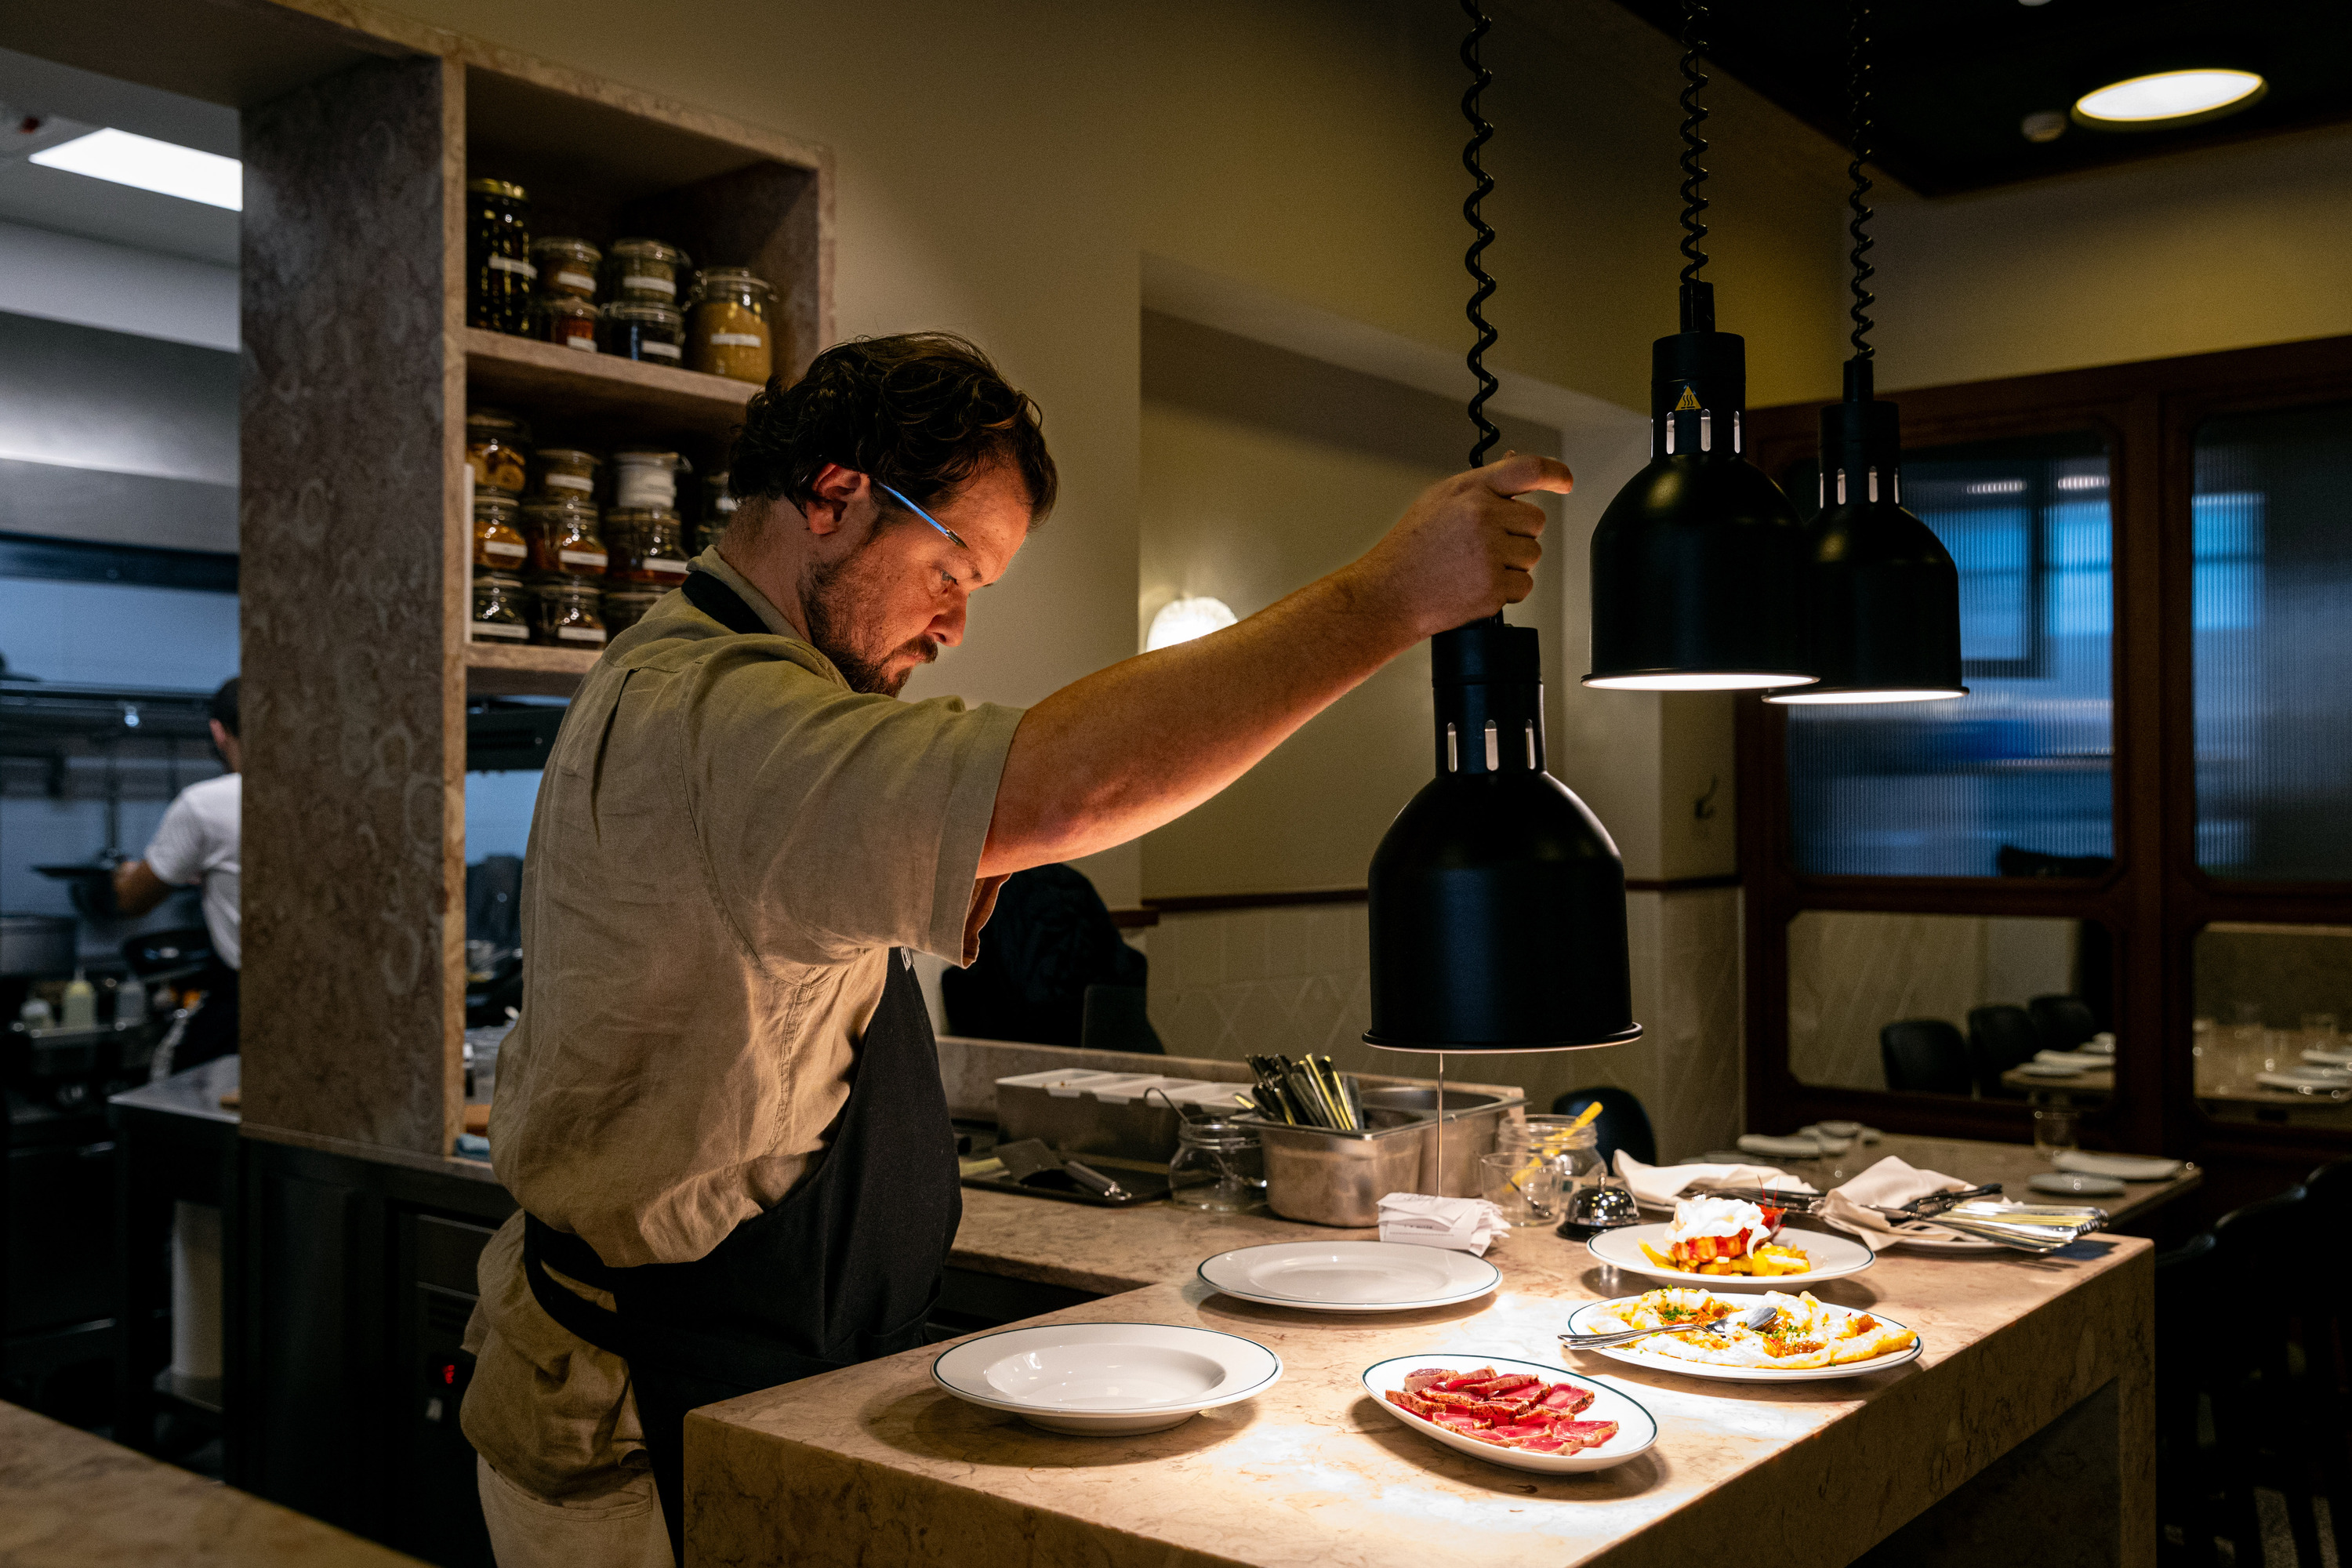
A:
(730, 330)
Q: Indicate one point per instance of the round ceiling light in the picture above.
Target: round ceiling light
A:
(2164, 99)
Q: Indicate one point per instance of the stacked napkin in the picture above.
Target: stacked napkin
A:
(1890, 1183)
(1464, 1225)
(1659, 1185)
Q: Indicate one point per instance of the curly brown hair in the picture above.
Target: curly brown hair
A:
(921, 412)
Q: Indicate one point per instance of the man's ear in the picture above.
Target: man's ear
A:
(832, 491)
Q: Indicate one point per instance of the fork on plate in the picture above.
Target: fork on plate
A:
(1754, 1318)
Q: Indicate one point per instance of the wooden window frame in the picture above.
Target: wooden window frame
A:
(2155, 900)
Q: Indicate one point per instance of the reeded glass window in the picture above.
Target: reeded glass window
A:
(2271, 606)
(2014, 778)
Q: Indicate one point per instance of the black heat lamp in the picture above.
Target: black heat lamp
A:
(1698, 564)
(1497, 901)
(1885, 596)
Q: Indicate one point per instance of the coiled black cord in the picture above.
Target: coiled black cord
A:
(1694, 145)
(1480, 134)
(1858, 98)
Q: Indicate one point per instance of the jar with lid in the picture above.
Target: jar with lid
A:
(643, 545)
(646, 478)
(632, 329)
(645, 271)
(731, 332)
(565, 538)
(496, 447)
(497, 539)
(498, 272)
(1218, 1167)
(569, 614)
(624, 607)
(567, 471)
(566, 265)
(560, 319)
(501, 609)
(717, 511)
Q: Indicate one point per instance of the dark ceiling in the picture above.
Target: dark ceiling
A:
(1953, 79)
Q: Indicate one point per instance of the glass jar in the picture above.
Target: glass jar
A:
(643, 545)
(632, 329)
(560, 319)
(731, 332)
(1218, 1167)
(497, 445)
(565, 538)
(501, 609)
(567, 471)
(498, 272)
(717, 510)
(498, 536)
(624, 607)
(644, 271)
(646, 478)
(569, 613)
(566, 265)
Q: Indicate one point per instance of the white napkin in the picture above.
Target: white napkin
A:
(1890, 1183)
(1464, 1225)
(1659, 1185)
(2074, 1059)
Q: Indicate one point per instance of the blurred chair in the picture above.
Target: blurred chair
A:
(1115, 1020)
(2064, 1021)
(2188, 1292)
(2263, 1423)
(1622, 1124)
(1050, 942)
(1923, 1056)
(2000, 1038)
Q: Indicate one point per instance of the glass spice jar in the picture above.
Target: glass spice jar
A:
(496, 447)
(502, 606)
(645, 271)
(646, 478)
(565, 538)
(731, 334)
(498, 272)
(634, 331)
(643, 545)
(566, 265)
(569, 614)
(560, 319)
(717, 511)
(497, 541)
(624, 607)
(567, 471)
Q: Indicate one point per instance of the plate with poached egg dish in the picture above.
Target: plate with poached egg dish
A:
(1808, 1340)
(1731, 1244)
(1513, 1413)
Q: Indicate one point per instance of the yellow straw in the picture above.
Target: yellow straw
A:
(1590, 1112)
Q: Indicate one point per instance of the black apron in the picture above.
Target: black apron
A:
(845, 1268)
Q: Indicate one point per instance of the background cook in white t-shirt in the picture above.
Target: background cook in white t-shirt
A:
(198, 842)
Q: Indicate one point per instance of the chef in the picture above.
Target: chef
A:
(720, 1110)
(198, 842)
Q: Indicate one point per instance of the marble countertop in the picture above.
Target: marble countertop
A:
(69, 1498)
(878, 1464)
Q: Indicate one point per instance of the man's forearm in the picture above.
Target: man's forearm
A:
(1140, 744)
(137, 889)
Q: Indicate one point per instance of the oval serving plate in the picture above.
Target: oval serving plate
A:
(1637, 1430)
(1107, 1379)
(1349, 1276)
(1584, 1320)
(1832, 1257)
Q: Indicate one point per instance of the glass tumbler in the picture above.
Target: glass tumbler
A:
(1523, 1185)
(2053, 1130)
(1218, 1167)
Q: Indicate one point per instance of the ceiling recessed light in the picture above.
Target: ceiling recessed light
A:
(151, 166)
(2165, 99)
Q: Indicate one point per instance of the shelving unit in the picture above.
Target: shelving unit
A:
(356, 533)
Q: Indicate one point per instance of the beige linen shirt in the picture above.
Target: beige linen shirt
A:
(727, 844)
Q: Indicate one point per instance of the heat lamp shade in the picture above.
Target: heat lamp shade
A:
(1498, 906)
(1885, 609)
(1698, 571)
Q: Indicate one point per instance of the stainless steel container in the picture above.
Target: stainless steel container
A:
(1081, 1111)
(1340, 1178)
(38, 947)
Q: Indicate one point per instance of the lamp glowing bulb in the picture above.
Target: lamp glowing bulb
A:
(163, 167)
(1181, 620)
(2170, 98)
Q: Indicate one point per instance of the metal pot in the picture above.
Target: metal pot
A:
(37, 947)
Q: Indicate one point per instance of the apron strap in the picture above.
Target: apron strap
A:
(722, 604)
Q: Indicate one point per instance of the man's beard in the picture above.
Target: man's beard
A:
(831, 597)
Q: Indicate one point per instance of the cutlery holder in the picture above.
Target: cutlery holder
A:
(1326, 1177)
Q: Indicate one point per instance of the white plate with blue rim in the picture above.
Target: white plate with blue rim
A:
(1349, 1276)
(1106, 1380)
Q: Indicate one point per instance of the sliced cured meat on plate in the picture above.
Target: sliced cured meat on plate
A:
(1514, 1413)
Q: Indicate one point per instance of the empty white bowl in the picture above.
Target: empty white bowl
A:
(1107, 1379)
